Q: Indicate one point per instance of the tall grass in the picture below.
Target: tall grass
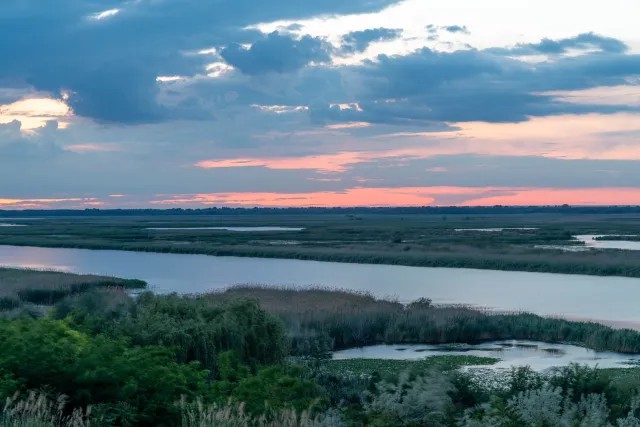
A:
(38, 410)
(197, 414)
(47, 287)
(324, 319)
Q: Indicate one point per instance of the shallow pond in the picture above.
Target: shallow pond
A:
(610, 300)
(240, 229)
(591, 242)
(538, 355)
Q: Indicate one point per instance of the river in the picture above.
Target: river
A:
(610, 300)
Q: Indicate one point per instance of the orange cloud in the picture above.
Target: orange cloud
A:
(349, 125)
(92, 147)
(559, 196)
(418, 196)
(339, 162)
(322, 162)
(587, 136)
(21, 201)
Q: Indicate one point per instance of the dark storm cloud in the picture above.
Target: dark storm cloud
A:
(472, 85)
(359, 41)
(547, 46)
(277, 53)
(55, 47)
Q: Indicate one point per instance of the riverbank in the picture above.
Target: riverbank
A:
(20, 286)
(543, 261)
(533, 243)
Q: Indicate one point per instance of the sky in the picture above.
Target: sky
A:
(195, 103)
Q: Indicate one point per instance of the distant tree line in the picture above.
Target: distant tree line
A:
(422, 210)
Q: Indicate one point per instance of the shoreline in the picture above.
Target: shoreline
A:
(495, 264)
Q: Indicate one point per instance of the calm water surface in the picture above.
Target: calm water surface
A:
(494, 229)
(590, 242)
(538, 355)
(607, 299)
(241, 229)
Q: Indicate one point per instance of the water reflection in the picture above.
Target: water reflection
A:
(540, 356)
(241, 229)
(591, 242)
(494, 229)
(602, 299)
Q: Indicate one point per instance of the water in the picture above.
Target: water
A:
(538, 355)
(590, 242)
(241, 229)
(493, 229)
(11, 225)
(610, 300)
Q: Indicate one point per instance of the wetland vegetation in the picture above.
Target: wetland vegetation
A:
(254, 356)
(530, 239)
(22, 286)
(93, 355)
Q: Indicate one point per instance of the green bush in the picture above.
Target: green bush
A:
(98, 370)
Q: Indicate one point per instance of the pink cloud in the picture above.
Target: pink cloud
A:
(417, 196)
(357, 196)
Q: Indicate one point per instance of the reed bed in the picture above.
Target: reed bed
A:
(18, 286)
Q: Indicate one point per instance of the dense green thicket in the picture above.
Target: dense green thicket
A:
(195, 328)
(133, 360)
(97, 370)
(220, 360)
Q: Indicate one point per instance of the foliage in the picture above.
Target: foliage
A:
(421, 400)
(319, 319)
(220, 360)
(197, 328)
(93, 370)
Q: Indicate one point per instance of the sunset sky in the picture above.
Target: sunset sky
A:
(200, 103)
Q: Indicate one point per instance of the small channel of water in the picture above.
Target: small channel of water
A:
(591, 242)
(239, 229)
(538, 355)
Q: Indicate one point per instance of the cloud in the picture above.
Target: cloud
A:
(277, 53)
(428, 86)
(55, 47)
(359, 41)
(584, 41)
(457, 29)
(15, 144)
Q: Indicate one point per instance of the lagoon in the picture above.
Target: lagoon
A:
(513, 353)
